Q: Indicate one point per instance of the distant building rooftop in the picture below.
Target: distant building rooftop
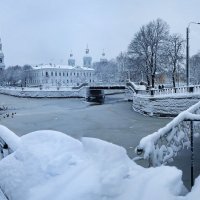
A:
(55, 66)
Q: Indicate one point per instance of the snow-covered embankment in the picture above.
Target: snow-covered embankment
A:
(166, 105)
(51, 165)
(51, 92)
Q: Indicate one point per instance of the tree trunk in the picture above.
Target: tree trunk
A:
(147, 75)
(151, 71)
(148, 81)
(174, 76)
(173, 80)
(153, 80)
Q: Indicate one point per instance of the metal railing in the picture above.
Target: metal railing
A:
(8, 141)
(162, 146)
(3, 195)
(4, 149)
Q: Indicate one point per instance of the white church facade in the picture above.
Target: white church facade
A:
(2, 65)
(62, 75)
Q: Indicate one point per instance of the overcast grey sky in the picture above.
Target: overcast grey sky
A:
(43, 31)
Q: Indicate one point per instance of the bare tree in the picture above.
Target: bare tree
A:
(175, 53)
(147, 46)
(13, 75)
(106, 71)
(123, 66)
(25, 71)
(138, 51)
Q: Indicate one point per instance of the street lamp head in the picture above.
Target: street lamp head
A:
(193, 23)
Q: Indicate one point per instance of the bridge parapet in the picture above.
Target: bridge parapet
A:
(108, 87)
(138, 89)
(177, 90)
(162, 146)
(80, 86)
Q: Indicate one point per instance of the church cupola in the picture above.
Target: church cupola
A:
(71, 60)
(87, 59)
(2, 65)
(103, 57)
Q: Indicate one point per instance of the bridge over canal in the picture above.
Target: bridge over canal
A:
(96, 93)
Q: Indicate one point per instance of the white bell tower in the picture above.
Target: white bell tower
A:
(2, 65)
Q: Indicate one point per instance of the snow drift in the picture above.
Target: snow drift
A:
(51, 165)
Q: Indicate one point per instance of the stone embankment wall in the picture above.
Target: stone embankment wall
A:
(164, 106)
(44, 93)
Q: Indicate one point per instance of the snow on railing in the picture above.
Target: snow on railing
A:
(177, 90)
(162, 146)
(136, 88)
(8, 141)
(196, 88)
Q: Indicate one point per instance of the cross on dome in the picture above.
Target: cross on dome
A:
(87, 50)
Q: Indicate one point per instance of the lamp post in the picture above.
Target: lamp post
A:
(187, 52)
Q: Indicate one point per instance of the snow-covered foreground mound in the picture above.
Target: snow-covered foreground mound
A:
(51, 165)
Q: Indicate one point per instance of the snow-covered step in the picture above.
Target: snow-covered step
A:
(2, 196)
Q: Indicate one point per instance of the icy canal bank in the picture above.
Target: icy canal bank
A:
(36, 92)
(52, 165)
(167, 105)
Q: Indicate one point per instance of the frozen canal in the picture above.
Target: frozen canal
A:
(114, 121)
